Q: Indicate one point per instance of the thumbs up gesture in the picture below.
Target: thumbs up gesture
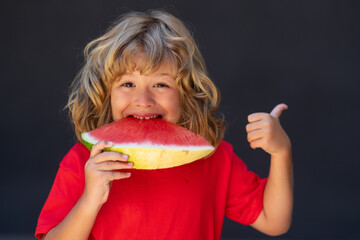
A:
(265, 131)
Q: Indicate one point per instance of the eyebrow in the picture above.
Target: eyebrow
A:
(164, 74)
(158, 74)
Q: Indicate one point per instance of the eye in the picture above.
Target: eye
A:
(161, 85)
(127, 84)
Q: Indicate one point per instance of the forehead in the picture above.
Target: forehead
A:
(145, 65)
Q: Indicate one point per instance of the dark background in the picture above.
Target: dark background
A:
(259, 53)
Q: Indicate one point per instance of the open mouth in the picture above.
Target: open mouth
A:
(147, 118)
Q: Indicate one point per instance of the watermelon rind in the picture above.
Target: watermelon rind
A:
(154, 156)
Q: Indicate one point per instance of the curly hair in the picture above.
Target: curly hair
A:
(159, 36)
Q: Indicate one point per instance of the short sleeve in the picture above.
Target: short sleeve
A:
(65, 192)
(245, 193)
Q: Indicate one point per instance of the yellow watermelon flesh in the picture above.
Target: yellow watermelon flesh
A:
(150, 144)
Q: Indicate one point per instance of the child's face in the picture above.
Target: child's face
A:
(146, 96)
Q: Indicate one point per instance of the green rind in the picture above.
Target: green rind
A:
(87, 144)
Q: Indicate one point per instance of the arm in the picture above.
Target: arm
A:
(265, 131)
(275, 219)
(77, 224)
(99, 174)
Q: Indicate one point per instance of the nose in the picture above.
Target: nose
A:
(144, 99)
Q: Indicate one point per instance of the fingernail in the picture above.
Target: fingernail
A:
(125, 156)
(128, 174)
(130, 164)
(109, 143)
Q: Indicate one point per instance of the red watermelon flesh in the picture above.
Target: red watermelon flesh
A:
(151, 144)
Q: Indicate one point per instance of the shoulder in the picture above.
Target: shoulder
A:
(225, 151)
(78, 155)
(225, 148)
(225, 145)
(80, 149)
(223, 154)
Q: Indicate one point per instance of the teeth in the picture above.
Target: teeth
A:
(147, 118)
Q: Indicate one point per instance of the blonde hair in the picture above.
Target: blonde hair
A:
(159, 36)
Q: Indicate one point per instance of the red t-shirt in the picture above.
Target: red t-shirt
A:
(184, 202)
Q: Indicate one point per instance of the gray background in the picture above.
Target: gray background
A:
(259, 53)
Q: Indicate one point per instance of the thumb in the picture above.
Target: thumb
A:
(276, 112)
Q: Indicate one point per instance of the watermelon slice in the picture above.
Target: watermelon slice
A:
(150, 144)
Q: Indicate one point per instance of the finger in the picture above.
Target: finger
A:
(258, 143)
(278, 109)
(256, 125)
(114, 175)
(99, 147)
(254, 135)
(112, 165)
(110, 156)
(256, 117)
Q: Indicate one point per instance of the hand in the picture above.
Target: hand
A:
(265, 131)
(100, 172)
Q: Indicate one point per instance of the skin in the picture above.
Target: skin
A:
(156, 93)
(265, 131)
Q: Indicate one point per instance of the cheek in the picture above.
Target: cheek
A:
(178, 105)
(118, 105)
(175, 104)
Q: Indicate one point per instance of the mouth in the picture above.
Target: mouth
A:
(146, 117)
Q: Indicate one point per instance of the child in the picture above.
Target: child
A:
(148, 65)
